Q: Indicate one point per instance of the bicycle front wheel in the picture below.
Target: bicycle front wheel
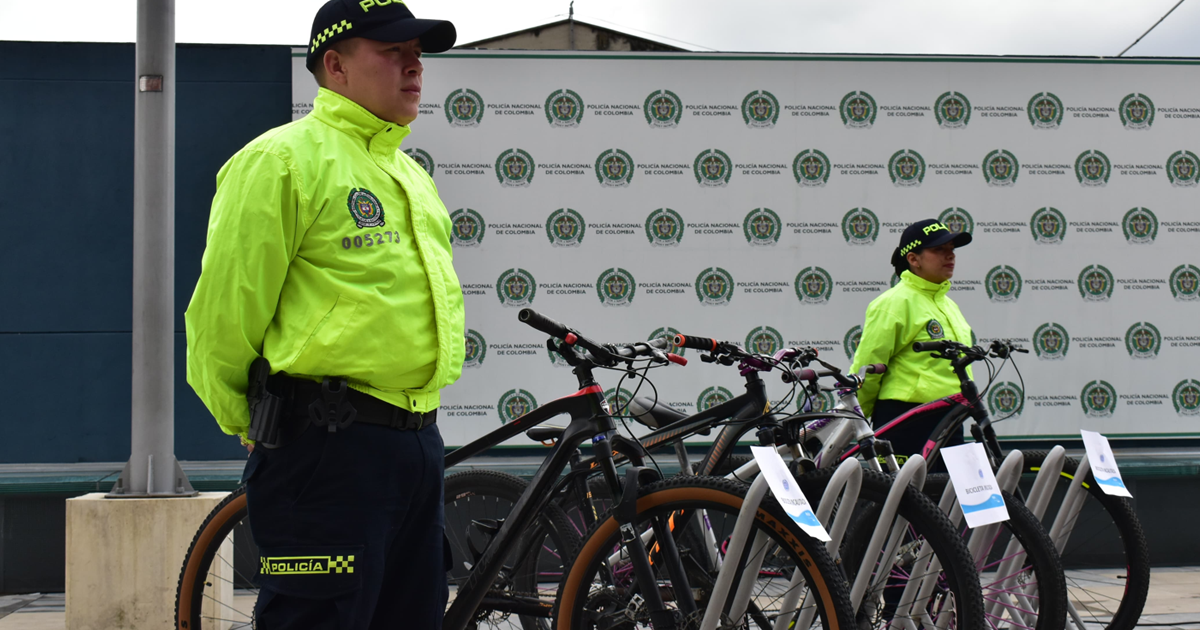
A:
(795, 574)
(1104, 554)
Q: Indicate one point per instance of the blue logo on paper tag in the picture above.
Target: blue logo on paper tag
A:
(994, 501)
(807, 518)
(1111, 481)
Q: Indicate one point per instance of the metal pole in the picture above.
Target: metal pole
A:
(152, 469)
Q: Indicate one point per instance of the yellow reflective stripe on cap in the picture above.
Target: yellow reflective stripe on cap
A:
(328, 33)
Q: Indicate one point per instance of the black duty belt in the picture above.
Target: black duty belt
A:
(333, 404)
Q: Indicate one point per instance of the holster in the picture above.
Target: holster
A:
(266, 409)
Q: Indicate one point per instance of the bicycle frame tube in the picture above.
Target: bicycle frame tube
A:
(588, 419)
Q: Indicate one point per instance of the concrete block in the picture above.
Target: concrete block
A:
(124, 556)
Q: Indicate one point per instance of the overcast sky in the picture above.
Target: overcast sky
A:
(981, 27)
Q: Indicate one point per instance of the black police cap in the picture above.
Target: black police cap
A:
(925, 234)
(380, 20)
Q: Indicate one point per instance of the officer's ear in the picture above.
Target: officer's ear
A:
(912, 259)
(334, 64)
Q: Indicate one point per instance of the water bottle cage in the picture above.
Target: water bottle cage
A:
(332, 410)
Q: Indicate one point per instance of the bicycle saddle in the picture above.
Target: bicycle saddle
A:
(545, 433)
(653, 415)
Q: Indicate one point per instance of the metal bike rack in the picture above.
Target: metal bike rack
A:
(844, 487)
(912, 473)
(737, 543)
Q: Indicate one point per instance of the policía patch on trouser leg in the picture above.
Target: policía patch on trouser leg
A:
(311, 572)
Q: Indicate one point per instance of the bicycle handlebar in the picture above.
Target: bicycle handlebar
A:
(933, 346)
(702, 343)
(600, 353)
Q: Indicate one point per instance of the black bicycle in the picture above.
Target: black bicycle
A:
(661, 587)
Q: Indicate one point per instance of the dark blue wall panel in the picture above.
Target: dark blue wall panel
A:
(66, 172)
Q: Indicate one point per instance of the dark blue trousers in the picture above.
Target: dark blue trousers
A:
(349, 530)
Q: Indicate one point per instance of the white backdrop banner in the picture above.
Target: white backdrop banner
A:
(758, 199)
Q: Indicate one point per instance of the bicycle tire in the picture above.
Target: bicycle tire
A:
(959, 578)
(721, 499)
(189, 591)
(552, 542)
(1110, 517)
(1041, 564)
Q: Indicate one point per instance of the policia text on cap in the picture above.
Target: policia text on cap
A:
(328, 269)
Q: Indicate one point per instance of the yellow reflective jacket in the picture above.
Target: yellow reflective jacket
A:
(913, 310)
(329, 254)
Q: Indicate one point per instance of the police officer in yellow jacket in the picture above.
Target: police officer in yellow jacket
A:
(916, 309)
(329, 256)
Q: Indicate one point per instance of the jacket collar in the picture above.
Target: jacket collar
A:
(914, 281)
(353, 119)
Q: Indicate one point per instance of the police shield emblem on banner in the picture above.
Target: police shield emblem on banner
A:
(764, 340)
(1045, 111)
(1137, 111)
(467, 227)
(365, 208)
(811, 168)
(464, 108)
(669, 333)
(1185, 283)
(711, 397)
(1051, 342)
(1000, 168)
(1186, 397)
(1048, 225)
(760, 110)
(614, 168)
(858, 110)
(860, 226)
(957, 220)
(516, 287)
(663, 109)
(1096, 283)
(1006, 400)
(850, 342)
(1140, 226)
(564, 109)
(712, 168)
(476, 349)
(514, 404)
(1003, 284)
(1099, 399)
(616, 287)
(906, 168)
(1183, 169)
(664, 227)
(814, 285)
(762, 227)
(422, 157)
(515, 168)
(1092, 169)
(714, 287)
(618, 400)
(565, 228)
(1143, 340)
(952, 110)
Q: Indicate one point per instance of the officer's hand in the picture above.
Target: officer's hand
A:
(249, 448)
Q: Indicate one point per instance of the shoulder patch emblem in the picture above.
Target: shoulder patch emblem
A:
(934, 329)
(365, 208)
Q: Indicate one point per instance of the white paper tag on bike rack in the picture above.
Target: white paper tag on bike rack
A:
(787, 491)
(975, 484)
(1104, 465)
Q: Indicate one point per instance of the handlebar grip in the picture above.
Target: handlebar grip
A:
(806, 374)
(696, 343)
(928, 346)
(540, 322)
(875, 368)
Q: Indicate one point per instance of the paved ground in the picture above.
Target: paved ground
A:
(1174, 602)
